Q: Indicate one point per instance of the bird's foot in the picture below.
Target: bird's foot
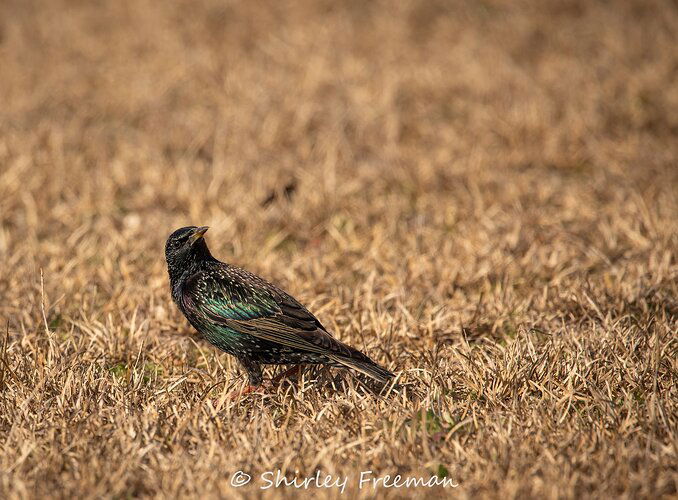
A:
(292, 372)
(295, 371)
(246, 390)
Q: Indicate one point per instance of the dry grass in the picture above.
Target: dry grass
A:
(486, 201)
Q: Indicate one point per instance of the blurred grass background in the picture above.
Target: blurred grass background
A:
(483, 195)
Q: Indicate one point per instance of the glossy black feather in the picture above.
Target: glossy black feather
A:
(249, 317)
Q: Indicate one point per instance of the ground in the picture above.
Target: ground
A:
(482, 196)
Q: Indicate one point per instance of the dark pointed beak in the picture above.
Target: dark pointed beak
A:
(198, 233)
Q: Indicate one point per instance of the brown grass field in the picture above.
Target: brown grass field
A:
(481, 195)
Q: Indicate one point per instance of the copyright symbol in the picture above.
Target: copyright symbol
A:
(240, 478)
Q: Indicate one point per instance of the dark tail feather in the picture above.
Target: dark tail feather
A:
(367, 367)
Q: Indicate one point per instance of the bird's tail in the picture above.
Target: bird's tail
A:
(366, 366)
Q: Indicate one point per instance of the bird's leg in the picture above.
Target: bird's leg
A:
(253, 373)
(253, 370)
(294, 371)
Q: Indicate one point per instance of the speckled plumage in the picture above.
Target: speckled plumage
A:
(248, 317)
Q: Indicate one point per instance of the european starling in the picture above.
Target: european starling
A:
(248, 317)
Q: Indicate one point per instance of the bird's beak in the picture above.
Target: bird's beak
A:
(198, 233)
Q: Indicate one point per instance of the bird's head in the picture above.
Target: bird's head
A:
(185, 246)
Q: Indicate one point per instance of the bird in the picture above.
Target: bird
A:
(246, 316)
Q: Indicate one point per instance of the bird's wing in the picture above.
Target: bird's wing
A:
(247, 304)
